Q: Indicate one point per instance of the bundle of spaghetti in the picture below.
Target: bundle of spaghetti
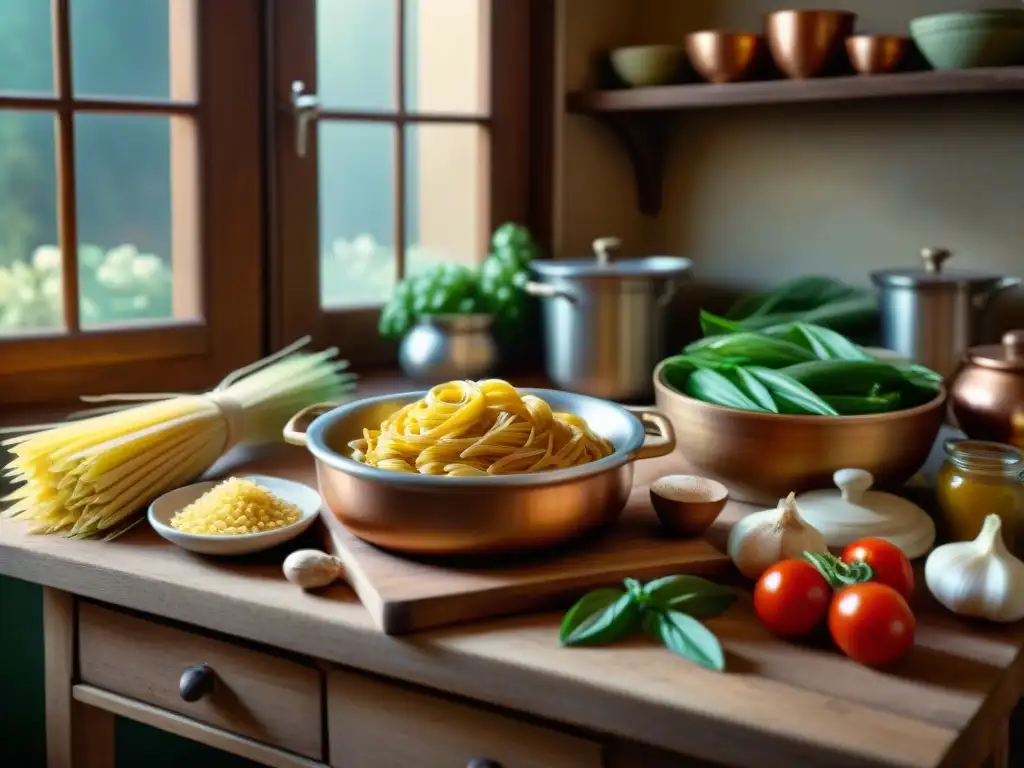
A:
(466, 428)
(89, 477)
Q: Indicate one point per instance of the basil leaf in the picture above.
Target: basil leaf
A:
(790, 392)
(600, 617)
(756, 347)
(687, 637)
(846, 377)
(716, 388)
(691, 595)
(852, 405)
(713, 325)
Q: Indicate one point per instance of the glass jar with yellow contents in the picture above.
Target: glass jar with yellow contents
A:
(977, 479)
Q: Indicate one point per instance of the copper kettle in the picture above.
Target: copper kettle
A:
(988, 391)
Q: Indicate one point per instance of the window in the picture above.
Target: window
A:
(130, 195)
(417, 146)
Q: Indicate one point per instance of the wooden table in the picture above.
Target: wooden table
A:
(306, 680)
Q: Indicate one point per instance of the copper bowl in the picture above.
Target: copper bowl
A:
(437, 515)
(876, 54)
(807, 43)
(762, 457)
(723, 57)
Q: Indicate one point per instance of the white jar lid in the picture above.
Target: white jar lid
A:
(853, 511)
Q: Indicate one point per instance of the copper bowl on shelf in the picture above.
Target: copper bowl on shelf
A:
(762, 457)
(876, 54)
(807, 44)
(723, 57)
(437, 515)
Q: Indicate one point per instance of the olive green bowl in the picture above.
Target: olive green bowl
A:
(645, 65)
(969, 40)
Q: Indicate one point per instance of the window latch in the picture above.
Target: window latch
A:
(305, 108)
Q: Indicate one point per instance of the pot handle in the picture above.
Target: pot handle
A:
(295, 430)
(547, 291)
(661, 444)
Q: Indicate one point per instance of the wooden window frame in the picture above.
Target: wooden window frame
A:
(218, 152)
(294, 231)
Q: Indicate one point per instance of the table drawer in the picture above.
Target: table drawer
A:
(254, 694)
(376, 724)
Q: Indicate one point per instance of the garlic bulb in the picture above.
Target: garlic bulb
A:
(762, 539)
(311, 569)
(979, 578)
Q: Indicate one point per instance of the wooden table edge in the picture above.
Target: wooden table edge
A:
(427, 661)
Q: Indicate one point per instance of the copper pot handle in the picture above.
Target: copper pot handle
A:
(661, 444)
(295, 430)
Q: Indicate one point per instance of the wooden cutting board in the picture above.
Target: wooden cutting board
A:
(404, 595)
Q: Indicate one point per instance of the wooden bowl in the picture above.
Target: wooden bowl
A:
(762, 457)
(876, 54)
(723, 57)
(646, 65)
(807, 43)
(687, 504)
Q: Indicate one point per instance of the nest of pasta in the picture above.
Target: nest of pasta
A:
(468, 429)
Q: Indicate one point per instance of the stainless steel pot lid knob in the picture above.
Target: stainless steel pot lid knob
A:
(603, 247)
(934, 258)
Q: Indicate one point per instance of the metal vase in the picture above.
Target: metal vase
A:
(443, 348)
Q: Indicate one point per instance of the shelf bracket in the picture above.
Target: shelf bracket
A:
(645, 137)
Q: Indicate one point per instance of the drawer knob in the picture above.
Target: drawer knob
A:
(483, 762)
(196, 682)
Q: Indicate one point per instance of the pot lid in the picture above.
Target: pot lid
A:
(853, 511)
(934, 275)
(1008, 355)
(602, 265)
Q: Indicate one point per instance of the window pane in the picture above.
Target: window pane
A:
(356, 53)
(30, 285)
(446, 60)
(121, 47)
(26, 61)
(446, 195)
(123, 166)
(357, 213)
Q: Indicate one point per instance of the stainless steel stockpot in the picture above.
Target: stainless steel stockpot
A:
(933, 315)
(438, 515)
(604, 320)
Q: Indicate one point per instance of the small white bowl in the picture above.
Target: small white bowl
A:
(164, 508)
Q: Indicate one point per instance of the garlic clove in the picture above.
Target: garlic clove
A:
(979, 578)
(312, 569)
(762, 539)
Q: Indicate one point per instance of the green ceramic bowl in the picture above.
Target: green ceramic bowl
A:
(967, 40)
(646, 65)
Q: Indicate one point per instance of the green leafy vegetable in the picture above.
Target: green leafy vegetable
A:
(854, 405)
(600, 617)
(791, 395)
(829, 345)
(753, 387)
(667, 609)
(846, 377)
(691, 595)
(823, 301)
(754, 349)
(716, 388)
(687, 637)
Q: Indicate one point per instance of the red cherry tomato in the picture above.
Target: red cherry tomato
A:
(871, 623)
(891, 567)
(791, 598)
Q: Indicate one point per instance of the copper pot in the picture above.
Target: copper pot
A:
(988, 391)
(876, 54)
(762, 457)
(439, 515)
(808, 43)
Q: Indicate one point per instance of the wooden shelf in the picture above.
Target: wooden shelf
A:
(701, 95)
(640, 116)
